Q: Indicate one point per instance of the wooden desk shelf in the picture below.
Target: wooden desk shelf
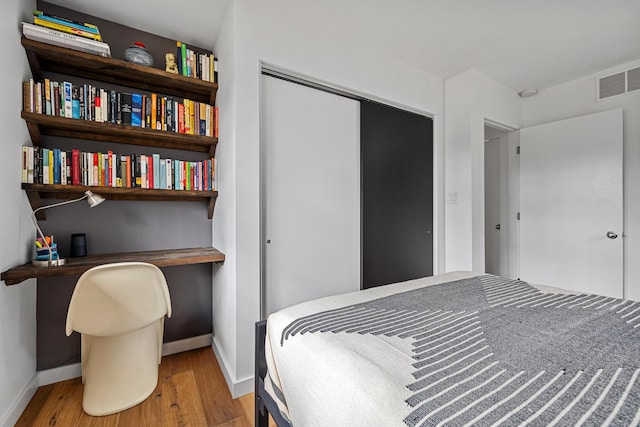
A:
(45, 57)
(36, 192)
(42, 124)
(77, 266)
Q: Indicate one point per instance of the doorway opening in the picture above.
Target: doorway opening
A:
(501, 200)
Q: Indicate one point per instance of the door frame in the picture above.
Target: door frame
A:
(277, 71)
(512, 176)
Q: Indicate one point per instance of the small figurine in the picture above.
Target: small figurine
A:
(171, 67)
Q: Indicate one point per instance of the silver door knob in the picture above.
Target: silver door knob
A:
(612, 235)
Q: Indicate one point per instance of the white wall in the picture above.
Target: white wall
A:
(224, 301)
(576, 98)
(471, 99)
(17, 303)
(266, 34)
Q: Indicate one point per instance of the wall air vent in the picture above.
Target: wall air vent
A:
(611, 85)
(619, 83)
(633, 79)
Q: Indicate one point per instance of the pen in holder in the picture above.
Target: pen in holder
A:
(47, 252)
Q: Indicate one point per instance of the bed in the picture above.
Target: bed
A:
(459, 349)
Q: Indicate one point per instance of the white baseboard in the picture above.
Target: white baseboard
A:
(63, 373)
(186, 344)
(239, 388)
(10, 418)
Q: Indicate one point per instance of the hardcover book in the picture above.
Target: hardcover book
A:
(61, 39)
(136, 109)
(64, 28)
(126, 108)
(90, 28)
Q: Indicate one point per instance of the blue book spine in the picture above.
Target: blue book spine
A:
(136, 110)
(176, 175)
(75, 102)
(56, 166)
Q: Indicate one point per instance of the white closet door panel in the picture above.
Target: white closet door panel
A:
(311, 193)
(571, 197)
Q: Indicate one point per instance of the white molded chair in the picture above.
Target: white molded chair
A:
(119, 311)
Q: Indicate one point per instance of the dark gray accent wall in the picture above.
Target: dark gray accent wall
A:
(120, 226)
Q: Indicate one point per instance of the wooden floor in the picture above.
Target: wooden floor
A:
(191, 391)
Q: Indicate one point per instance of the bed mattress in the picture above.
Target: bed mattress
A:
(456, 349)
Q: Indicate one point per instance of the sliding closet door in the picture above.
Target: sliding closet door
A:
(311, 194)
(397, 195)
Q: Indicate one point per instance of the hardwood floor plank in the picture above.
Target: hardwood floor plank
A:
(62, 406)
(218, 403)
(181, 404)
(191, 391)
(35, 406)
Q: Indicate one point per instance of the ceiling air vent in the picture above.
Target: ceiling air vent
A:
(611, 85)
(633, 79)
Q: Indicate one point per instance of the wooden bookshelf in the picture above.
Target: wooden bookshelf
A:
(77, 266)
(45, 57)
(36, 192)
(42, 124)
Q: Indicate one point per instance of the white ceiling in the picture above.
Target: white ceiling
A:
(520, 43)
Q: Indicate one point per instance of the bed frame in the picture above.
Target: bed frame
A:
(263, 403)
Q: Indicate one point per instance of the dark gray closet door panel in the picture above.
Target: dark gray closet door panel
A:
(397, 195)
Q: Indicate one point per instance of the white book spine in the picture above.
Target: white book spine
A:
(63, 167)
(30, 178)
(68, 109)
(104, 103)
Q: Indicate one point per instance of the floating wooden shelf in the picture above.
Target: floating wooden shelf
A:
(45, 57)
(36, 192)
(77, 266)
(42, 124)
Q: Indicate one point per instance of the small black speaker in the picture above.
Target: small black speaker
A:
(78, 245)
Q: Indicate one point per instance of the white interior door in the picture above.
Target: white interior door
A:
(571, 198)
(492, 196)
(311, 193)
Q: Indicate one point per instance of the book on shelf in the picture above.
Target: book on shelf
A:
(87, 102)
(61, 39)
(192, 63)
(66, 21)
(66, 29)
(54, 166)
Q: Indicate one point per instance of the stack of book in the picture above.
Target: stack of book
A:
(67, 33)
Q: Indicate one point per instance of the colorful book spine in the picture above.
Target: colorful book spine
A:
(136, 109)
(66, 29)
(66, 21)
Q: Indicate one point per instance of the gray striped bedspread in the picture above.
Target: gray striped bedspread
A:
(473, 351)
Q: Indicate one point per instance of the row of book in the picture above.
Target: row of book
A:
(88, 102)
(195, 64)
(54, 166)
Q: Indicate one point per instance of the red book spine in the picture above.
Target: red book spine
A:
(75, 167)
(128, 183)
(181, 118)
(150, 171)
(216, 122)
